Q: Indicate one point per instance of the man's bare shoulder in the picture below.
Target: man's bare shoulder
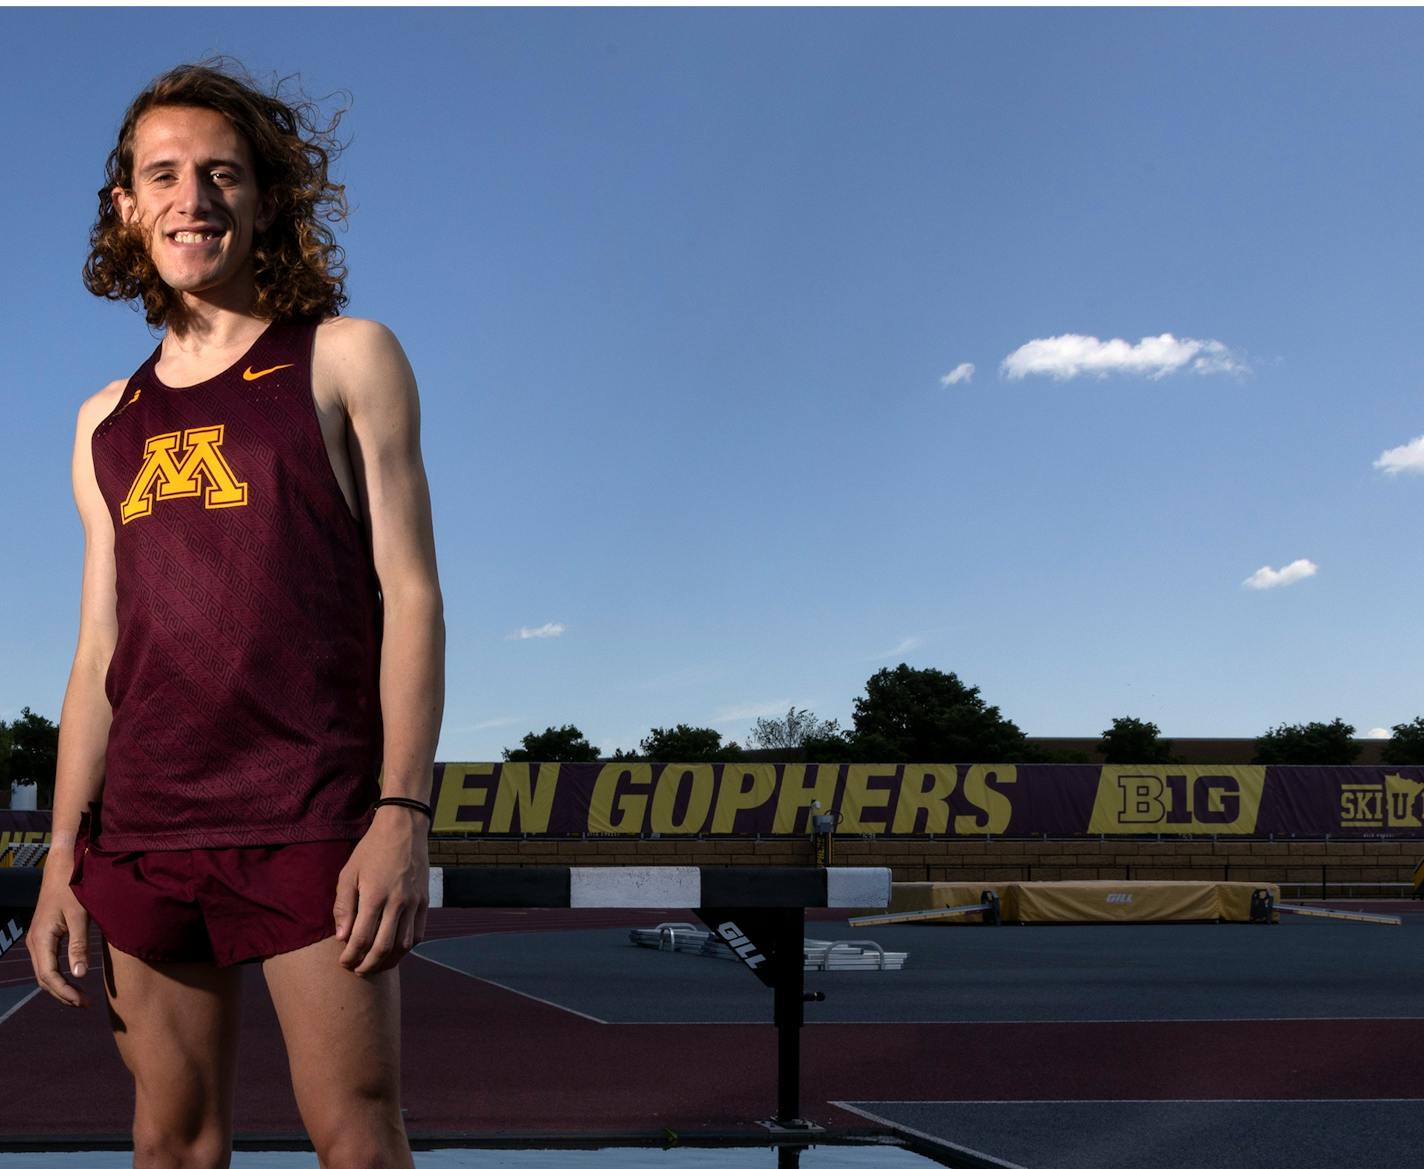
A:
(363, 360)
(356, 336)
(97, 407)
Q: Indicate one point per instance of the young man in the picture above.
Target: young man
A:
(252, 713)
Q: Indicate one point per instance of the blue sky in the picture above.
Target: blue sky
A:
(686, 291)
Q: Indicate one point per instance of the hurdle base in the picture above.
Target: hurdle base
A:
(786, 1128)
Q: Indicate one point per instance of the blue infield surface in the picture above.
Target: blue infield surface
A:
(1166, 1134)
(1299, 969)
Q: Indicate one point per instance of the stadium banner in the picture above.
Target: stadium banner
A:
(914, 799)
(637, 799)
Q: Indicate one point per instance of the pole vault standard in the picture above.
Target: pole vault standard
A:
(759, 910)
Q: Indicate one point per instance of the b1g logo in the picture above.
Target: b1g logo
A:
(1207, 799)
(1179, 800)
(1395, 803)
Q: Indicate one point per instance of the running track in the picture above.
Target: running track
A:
(487, 1061)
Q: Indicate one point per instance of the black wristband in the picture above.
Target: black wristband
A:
(406, 802)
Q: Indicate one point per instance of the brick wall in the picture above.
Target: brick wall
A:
(1362, 863)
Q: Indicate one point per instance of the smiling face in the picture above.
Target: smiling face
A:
(195, 194)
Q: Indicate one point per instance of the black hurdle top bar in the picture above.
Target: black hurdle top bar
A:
(612, 887)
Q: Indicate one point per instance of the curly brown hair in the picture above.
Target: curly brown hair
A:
(299, 267)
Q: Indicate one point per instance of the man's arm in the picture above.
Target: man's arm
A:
(383, 892)
(83, 725)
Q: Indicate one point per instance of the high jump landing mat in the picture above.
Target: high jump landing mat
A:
(1029, 902)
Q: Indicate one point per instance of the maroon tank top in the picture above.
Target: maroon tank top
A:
(245, 679)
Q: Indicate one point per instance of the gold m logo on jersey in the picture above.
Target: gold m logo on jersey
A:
(180, 465)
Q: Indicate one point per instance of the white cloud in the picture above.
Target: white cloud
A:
(905, 646)
(1379, 733)
(736, 714)
(1409, 457)
(1273, 578)
(1073, 355)
(490, 724)
(963, 372)
(550, 629)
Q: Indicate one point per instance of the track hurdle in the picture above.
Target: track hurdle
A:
(759, 910)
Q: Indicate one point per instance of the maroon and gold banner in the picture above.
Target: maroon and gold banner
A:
(914, 799)
(982, 799)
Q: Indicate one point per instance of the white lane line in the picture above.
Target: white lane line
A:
(510, 989)
(20, 1004)
(964, 1150)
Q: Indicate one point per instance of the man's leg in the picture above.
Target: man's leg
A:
(176, 1027)
(343, 1044)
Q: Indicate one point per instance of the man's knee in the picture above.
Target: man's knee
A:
(158, 1148)
(378, 1142)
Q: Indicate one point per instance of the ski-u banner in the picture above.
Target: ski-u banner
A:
(970, 800)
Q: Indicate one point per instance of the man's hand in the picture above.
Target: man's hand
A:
(58, 914)
(383, 893)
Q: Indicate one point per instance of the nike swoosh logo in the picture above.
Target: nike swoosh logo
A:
(251, 375)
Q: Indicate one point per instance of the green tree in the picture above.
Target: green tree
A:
(1032, 753)
(790, 731)
(564, 744)
(5, 744)
(1130, 740)
(34, 746)
(928, 716)
(685, 744)
(1406, 745)
(832, 746)
(1322, 743)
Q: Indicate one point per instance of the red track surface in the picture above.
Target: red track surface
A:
(485, 1061)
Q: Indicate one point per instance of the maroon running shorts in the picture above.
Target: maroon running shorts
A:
(220, 905)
